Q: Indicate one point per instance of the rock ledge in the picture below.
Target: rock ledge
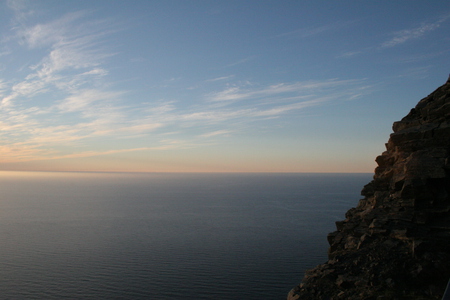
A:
(396, 243)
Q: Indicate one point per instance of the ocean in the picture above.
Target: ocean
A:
(233, 236)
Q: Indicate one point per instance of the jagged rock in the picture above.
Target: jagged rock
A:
(396, 243)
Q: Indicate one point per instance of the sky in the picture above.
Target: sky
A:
(212, 86)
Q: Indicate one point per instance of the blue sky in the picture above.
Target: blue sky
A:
(212, 86)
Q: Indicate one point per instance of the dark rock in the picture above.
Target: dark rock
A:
(396, 243)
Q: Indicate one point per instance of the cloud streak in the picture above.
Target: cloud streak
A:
(236, 93)
(215, 133)
(314, 30)
(403, 36)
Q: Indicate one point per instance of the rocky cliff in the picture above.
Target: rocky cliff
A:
(396, 243)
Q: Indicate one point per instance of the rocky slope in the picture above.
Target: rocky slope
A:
(396, 243)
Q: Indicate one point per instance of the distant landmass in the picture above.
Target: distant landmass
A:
(396, 243)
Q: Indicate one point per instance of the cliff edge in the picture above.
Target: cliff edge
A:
(396, 243)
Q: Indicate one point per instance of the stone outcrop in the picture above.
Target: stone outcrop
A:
(396, 243)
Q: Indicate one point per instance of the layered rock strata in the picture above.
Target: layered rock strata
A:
(396, 243)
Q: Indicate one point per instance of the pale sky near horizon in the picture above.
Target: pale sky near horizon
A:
(212, 86)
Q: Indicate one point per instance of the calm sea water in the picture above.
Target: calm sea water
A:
(165, 236)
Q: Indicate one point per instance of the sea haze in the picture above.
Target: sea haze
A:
(164, 236)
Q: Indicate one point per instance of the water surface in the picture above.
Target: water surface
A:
(162, 236)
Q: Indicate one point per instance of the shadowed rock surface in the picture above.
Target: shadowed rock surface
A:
(396, 243)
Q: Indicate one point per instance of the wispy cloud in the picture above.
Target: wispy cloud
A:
(87, 100)
(238, 93)
(220, 78)
(63, 102)
(307, 32)
(403, 36)
(18, 152)
(3, 53)
(241, 61)
(417, 72)
(422, 57)
(62, 98)
(72, 48)
(21, 9)
(3, 87)
(313, 30)
(279, 110)
(250, 103)
(349, 54)
(215, 133)
(109, 152)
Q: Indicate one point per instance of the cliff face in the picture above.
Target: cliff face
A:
(396, 243)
